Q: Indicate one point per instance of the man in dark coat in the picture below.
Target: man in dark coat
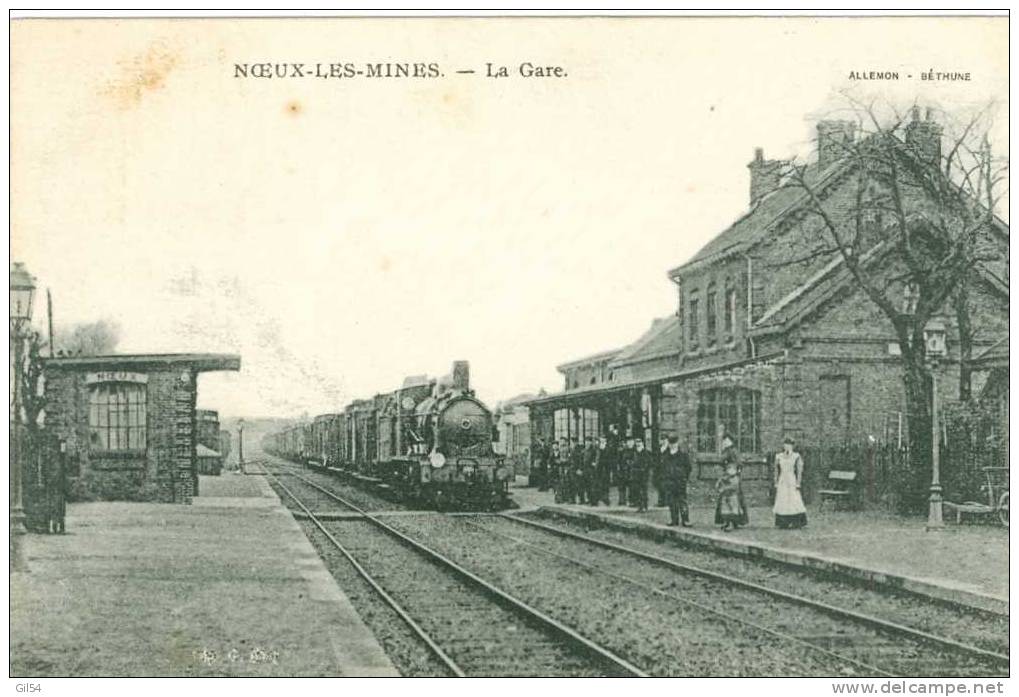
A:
(576, 472)
(623, 465)
(540, 465)
(639, 470)
(555, 465)
(663, 445)
(675, 474)
(56, 493)
(603, 465)
(591, 472)
(614, 446)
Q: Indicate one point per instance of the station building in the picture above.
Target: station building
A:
(768, 340)
(513, 431)
(127, 424)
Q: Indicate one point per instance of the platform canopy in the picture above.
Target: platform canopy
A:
(199, 362)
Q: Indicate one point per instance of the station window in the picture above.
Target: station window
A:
(562, 424)
(730, 309)
(116, 416)
(692, 318)
(728, 410)
(711, 312)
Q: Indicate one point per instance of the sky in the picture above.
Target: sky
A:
(342, 234)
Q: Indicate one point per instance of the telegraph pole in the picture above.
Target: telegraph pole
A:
(49, 317)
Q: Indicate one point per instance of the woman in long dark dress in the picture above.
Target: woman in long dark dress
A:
(731, 456)
(727, 510)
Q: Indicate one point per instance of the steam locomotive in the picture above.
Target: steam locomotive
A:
(428, 442)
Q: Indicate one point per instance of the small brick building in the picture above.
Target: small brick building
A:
(128, 423)
(210, 459)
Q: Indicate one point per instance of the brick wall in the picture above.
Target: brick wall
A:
(164, 471)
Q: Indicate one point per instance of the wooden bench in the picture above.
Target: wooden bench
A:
(841, 486)
(970, 507)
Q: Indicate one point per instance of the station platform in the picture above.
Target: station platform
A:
(967, 564)
(229, 586)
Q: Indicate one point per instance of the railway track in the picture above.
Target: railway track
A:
(869, 645)
(882, 646)
(471, 626)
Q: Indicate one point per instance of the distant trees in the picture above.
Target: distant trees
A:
(88, 339)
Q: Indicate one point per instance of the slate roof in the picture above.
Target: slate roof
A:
(593, 358)
(660, 341)
(509, 404)
(765, 212)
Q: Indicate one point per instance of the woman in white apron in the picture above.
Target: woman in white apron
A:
(789, 509)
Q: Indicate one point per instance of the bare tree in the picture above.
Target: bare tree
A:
(91, 339)
(922, 218)
(32, 398)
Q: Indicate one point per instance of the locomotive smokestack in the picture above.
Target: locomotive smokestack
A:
(461, 376)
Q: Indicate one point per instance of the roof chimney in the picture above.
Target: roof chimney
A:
(834, 139)
(924, 137)
(765, 175)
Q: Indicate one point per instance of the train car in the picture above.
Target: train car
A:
(322, 451)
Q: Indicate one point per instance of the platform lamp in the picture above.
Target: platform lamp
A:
(240, 444)
(936, 348)
(22, 290)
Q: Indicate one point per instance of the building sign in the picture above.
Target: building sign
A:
(116, 376)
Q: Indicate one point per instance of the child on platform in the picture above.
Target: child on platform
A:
(727, 509)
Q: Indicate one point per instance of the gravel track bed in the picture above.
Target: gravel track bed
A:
(404, 648)
(662, 636)
(890, 653)
(356, 493)
(980, 629)
(315, 500)
(483, 637)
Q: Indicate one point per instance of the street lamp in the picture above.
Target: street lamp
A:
(936, 346)
(22, 290)
(240, 444)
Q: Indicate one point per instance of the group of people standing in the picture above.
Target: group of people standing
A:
(585, 474)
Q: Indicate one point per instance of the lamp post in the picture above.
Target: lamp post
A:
(934, 335)
(240, 444)
(22, 293)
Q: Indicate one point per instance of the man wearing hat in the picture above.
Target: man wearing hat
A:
(675, 473)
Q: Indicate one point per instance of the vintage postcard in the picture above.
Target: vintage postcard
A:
(549, 346)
